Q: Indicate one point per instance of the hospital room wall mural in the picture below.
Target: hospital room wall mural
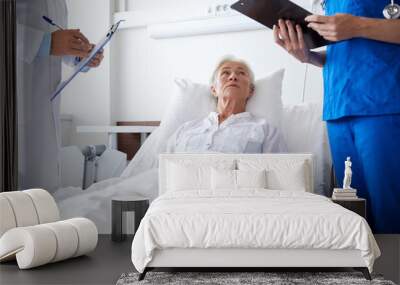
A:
(136, 78)
(147, 91)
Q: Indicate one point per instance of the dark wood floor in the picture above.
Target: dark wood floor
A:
(103, 266)
(110, 259)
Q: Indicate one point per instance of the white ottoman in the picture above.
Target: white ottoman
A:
(31, 232)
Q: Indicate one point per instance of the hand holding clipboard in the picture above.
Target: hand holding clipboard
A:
(268, 12)
(86, 61)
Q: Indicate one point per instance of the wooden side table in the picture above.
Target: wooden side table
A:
(134, 203)
(357, 205)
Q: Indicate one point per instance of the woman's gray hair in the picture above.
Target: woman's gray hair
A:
(230, 58)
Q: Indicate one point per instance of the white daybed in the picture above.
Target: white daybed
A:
(242, 228)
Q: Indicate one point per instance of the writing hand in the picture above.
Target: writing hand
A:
(69, 42)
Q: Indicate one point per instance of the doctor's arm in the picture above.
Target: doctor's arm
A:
(345, 26)
(68, 44)
(34, 43)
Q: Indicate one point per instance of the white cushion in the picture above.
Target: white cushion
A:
(45, 205)
(247, 162)
(27, 208)
(191, 101)
(193, 175)
(267, 99)
(282, 174)
(7, 220)
(251, 178)
(225, 179)
(23, 208)
(183, 178)
(67, 239)
(87, 233)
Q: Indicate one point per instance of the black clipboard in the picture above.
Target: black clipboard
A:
(268, 12)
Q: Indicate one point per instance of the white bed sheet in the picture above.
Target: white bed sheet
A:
(252, 218)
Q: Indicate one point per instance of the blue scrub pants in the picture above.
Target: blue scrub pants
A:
(373, 143)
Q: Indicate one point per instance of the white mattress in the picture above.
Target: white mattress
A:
(252, 218)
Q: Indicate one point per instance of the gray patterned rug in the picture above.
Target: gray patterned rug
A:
(244, 278)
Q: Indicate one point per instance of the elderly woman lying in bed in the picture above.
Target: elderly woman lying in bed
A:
(232, 129)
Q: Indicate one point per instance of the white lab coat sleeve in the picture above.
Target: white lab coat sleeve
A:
(35, 38)
(273, 142)
(26, 34)
(69, 60)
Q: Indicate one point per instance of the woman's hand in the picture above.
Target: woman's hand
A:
(335, 28)
(291, 39)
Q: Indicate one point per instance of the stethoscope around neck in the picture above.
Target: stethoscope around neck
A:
(391, 11)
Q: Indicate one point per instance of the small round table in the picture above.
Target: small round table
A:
(135, 203)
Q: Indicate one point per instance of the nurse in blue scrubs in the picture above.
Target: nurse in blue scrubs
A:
(362, 97)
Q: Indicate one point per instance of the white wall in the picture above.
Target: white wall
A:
(143, 69)
(87, 98)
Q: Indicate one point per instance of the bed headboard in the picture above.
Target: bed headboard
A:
(234, 159)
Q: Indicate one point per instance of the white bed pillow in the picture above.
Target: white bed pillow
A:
(184, 175)
(251, 178)
(184, 178)
(223, 179)
(226, 179)
(267, 99)
(281, 174)
(191, 101)
(194, 101)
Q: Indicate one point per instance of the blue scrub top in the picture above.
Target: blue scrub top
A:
(361, 77)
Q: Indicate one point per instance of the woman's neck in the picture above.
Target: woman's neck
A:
(228, 107)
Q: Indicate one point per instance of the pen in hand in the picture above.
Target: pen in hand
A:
(66, 42)
(51, 22)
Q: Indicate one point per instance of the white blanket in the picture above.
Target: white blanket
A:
(95, 202)
(250, 219)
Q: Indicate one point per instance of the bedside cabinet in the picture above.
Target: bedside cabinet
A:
(357, 205)
(134, 203)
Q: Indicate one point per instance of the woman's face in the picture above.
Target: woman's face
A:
(233, 81)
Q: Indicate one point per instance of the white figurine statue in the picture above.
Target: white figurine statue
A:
(347, 174)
